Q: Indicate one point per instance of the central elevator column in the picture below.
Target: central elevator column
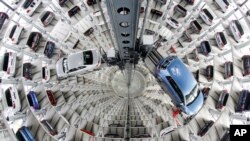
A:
(124, 18)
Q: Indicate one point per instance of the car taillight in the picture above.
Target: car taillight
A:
(12, 39)
(28, 11)
(8, 71)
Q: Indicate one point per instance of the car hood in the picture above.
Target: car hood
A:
(59, 68)
(196, 105)
(182, 76)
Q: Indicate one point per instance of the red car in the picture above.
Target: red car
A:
(88, 132)
(51, 97)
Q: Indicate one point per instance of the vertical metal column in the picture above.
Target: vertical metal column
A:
(124, 18)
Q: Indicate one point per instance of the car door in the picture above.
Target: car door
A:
(73, 72)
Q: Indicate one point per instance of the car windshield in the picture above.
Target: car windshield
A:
(208, 14)
(166, 62)
(237, 23)
(192, 95)
(5, 61)
(226, 2)
(8, 97)
(65, 65)
(173, 20)
(45, 16)
(246, 62)
(88, 57)
(30, 99)
(181, 9)
(12, 31)
(149, 32)
(223, 38)
(197, 25)
(43, 72)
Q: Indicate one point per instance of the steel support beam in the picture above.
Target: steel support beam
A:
(124, 18)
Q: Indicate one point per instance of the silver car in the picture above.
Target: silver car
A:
(78, 63)
(47, 17)
(11, 100)
(236, 30)
(223, 4)
(206, 16)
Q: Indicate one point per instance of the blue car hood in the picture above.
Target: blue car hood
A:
(196, 105)
(182, 76)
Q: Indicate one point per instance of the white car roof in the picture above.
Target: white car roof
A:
(75, 60)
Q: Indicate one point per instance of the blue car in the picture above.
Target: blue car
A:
(33, 100)
(180, 84)
(24, 134)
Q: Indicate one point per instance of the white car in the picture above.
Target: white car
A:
(78, 63)
(173, 23)
(223, 4)
(29, 6)
(220, 39)
(236, 30)
(46, 18)
(45, 73)
(14, 33)
(167, 130)
(11, 100)
(206, 16)
(8, 63)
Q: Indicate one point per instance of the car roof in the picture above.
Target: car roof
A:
(75, 60)
(182, 76)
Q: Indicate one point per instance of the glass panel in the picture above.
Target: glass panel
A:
(88, 57)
